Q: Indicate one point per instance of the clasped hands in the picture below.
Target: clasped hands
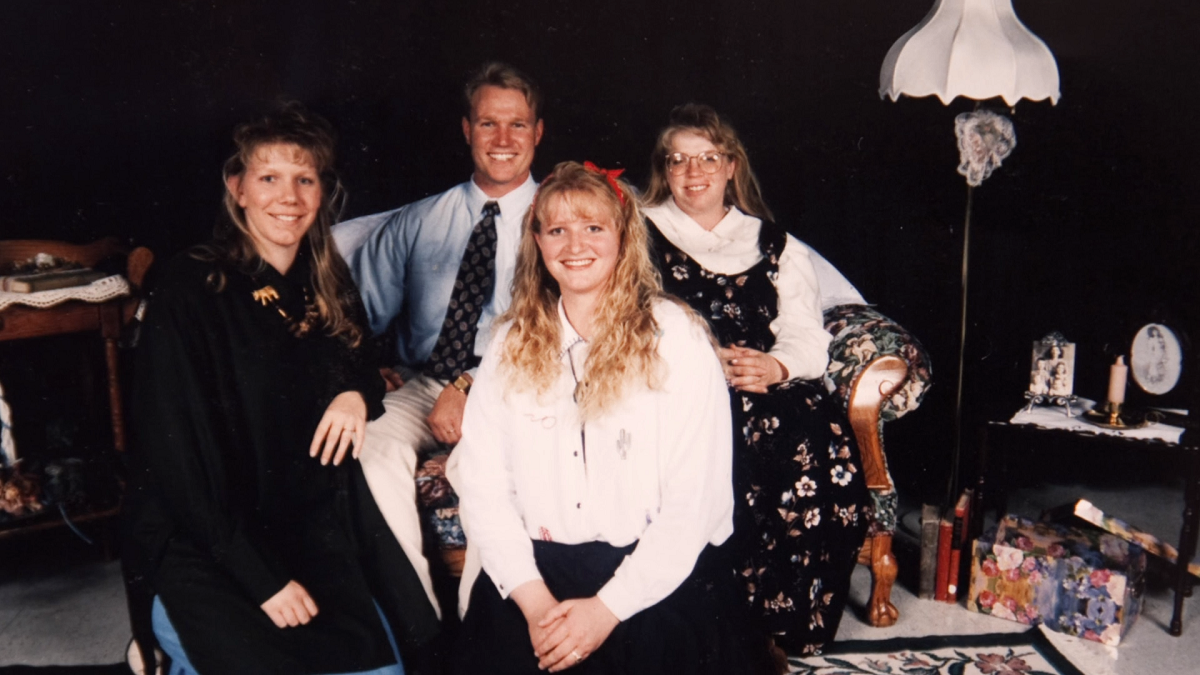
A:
(563, 633)
(750, 370)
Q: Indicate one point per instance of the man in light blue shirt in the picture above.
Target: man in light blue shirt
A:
(405, 263)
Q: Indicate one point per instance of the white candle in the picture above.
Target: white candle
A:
(1116, 380)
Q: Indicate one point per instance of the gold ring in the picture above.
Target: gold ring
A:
(578, 658)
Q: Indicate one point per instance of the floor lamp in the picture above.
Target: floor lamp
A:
(980, 50)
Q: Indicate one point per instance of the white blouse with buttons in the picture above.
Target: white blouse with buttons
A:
(655, 468)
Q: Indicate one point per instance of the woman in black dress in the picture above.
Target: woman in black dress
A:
(263, 548)
(798, 482)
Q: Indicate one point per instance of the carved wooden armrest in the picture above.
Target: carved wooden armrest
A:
(875, 383)
(860, 336)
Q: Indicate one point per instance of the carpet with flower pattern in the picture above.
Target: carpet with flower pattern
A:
(1028, 653)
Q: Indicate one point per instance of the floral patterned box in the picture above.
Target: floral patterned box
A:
(1079, 582)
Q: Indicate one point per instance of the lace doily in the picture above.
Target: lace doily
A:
(1055, 418)
(984, 140)
(100, 290)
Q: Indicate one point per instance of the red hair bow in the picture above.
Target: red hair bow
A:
(611, 176)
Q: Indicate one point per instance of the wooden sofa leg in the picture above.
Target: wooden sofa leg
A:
(881, 613)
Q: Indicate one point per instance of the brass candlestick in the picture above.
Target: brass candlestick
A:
(1118, 417)
(1114, 414)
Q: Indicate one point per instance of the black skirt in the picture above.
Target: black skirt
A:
(701, 628)
(346, 570)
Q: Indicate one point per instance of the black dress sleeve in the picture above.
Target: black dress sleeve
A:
(347, 368)
(186, 425)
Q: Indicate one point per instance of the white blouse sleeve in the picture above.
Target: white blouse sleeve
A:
(801, 341)
(481, 472)
(695, 471)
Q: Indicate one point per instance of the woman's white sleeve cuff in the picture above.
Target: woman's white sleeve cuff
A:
(619, 599)
(512, 575)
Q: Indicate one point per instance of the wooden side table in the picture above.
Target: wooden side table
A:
(992, 483)
(107, 318)
(19, 322)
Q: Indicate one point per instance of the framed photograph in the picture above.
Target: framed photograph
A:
(1156, 359)
(1052, 371)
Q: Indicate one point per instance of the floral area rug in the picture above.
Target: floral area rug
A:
(1028, 653)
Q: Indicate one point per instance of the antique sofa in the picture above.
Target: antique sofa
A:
(880, 373)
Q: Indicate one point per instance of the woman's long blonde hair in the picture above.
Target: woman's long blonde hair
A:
(622, 350)
(292, 124)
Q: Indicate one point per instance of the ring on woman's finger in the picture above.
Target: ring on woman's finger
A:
(578, 658)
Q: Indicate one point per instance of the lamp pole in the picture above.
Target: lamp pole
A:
(962, 346)
(977, 49)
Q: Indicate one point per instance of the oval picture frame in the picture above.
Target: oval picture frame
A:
(1156, 359)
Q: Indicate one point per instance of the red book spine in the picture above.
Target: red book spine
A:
(958, 536)
(968, 496)
(945, 534)
(952, 582)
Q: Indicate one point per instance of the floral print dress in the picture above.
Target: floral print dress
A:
(798, 479)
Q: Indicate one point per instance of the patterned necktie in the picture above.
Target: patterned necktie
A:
(455, 348)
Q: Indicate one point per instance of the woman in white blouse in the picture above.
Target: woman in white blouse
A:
(594, 468)
(799, 491)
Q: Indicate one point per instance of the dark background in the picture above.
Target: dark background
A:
(115, 118)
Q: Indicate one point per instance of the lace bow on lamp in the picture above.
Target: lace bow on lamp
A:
(984, 140)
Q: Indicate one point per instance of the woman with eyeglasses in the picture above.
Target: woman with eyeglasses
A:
(799, 488)
(594, 466)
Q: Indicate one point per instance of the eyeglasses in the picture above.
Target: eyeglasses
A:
(709, 162)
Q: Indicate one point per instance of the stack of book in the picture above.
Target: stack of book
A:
(48, 281)
(943, 538)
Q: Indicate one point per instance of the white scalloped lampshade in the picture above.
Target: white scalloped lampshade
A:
(973, 48)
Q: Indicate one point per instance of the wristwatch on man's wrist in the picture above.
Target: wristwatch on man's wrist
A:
(463, 383)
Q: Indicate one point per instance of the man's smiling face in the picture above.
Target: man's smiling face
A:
(502, 132)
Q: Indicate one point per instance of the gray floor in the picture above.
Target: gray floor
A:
(70, 612)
